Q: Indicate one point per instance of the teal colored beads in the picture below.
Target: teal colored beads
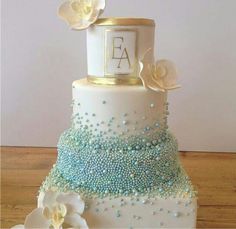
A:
(115, 166)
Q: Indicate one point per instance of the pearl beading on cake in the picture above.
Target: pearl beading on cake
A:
(118, 111)
(110, 165)
(83, 121)
(120, 167)
(94, 162)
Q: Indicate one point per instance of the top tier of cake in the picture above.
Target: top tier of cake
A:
(116, 45)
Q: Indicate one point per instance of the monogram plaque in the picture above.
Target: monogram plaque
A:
(120, 52)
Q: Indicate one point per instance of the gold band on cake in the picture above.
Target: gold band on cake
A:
(116, 80)
(125, 21)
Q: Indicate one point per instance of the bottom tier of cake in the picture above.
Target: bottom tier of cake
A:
(132, 211)
(141, 212)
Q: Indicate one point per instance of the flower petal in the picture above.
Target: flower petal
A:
(93, 16)
(156, 88)
(100, 4)
(49, 199)
(40, 199)
(81, 14)
(173, 87)
(66, 13)
(63, 10)
(154, 85)
(76, 221)
(80, 25)
(72, 201)
(141, 66)
(20, 226)
(144, 67)
(170, 80)
(160, 76)
(36, 220)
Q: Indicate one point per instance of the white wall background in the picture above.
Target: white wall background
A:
(41, 57)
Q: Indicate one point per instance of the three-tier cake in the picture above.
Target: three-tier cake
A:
(118, 154)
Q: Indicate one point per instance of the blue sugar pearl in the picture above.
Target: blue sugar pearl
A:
(77, 158)
(178, 202)
(148, 144)
(144, 201)
(118, 214)
(176, 214)
(124, 122)
(154, 142)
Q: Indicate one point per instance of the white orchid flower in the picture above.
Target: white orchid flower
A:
(161, 75)
(56, 210)
(80, 14)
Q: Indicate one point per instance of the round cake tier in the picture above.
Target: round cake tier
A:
(119, 110)
(116, 45)
(117, 166)
(175, 209)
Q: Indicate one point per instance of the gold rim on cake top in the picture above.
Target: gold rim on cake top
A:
(125, 21)
(115, 80)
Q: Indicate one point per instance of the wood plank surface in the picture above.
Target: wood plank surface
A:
(213, 174)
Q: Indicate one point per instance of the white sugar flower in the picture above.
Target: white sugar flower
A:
(56, 210)
(161, 75)
(80, 14)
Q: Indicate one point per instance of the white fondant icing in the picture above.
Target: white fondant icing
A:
(99, 48)
(127, 110)
(155, 212)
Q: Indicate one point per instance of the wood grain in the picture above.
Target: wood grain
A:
(213, 174)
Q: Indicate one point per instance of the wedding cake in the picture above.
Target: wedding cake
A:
(118, 160)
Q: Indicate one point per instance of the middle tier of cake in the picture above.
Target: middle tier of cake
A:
(120, 166)
(119, 110)
(119, 143)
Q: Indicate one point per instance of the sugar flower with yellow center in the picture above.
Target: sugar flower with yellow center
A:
(56, 211)
(80, 14)
(158, 76)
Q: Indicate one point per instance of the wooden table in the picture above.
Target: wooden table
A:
(213, 174)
